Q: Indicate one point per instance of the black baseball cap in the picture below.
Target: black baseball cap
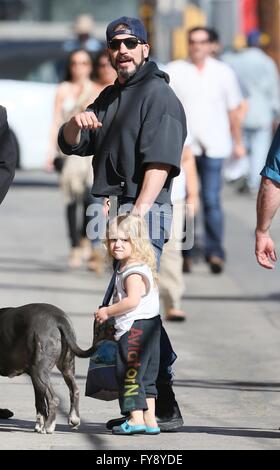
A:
(128, 25)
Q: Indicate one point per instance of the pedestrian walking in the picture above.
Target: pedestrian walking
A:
(105, 75)
(185, 200)
(83, 38)
(73, 95)
(136, 130)
(135, 310)
(210, 94)
(259, 75)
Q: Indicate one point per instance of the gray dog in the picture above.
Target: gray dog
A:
(33, 339)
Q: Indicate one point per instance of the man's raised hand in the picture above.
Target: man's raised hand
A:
(85, 120)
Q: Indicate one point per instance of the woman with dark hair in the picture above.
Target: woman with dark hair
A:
(73, 95)
(104, 73)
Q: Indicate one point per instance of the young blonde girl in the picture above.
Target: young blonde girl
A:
(137, 322)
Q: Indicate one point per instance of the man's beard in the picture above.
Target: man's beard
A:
(125, 74)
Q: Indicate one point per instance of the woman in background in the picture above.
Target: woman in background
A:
(104, 75)
(73, 95)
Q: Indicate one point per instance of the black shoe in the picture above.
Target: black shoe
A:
(5, 414)
(187, 265)
(168, 413)
(171, 420)
(216, 264)
(243, 187)
(115, 422)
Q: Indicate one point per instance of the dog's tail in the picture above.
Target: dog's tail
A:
(69, 335)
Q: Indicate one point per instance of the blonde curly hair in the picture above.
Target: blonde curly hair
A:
(136, 230)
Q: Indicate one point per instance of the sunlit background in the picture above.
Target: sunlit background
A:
(227, 371)
(35, 37)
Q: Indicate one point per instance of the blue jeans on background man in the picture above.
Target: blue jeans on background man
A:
(257, 142)
(210, 173)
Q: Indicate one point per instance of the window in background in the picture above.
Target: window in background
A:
(65, 10)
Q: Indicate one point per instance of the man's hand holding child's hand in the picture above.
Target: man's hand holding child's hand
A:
(101, 315)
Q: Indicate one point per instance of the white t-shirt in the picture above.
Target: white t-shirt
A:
(149, 303)
(206, 95)
(178, 191)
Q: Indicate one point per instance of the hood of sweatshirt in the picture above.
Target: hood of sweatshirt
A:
(149, 69)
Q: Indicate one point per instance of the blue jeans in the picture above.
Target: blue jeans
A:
(159, 220)
(257, 142)
(210, 173)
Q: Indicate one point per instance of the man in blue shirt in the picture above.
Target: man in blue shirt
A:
(259, 76)
(83, 29)
(267, 204)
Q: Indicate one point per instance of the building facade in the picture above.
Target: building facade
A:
(166, 20)
(64, 10)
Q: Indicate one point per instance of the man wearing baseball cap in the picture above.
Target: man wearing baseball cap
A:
(135, 129)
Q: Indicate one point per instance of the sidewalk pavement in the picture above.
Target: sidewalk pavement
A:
(228, 367)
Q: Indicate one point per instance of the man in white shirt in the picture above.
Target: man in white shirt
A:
(185, 200)
(211, 96)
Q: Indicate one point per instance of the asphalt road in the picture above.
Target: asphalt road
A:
(228, 367)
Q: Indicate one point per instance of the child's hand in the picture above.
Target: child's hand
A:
(101, 315)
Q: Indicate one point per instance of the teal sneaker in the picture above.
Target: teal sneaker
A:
(150, 430)
(128, 429)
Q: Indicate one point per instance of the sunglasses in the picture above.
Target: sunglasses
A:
(130, 43)
(192, 42)
(76, 62)
(103, 64)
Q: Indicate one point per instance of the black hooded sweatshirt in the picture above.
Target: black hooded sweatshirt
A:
(143, 122)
